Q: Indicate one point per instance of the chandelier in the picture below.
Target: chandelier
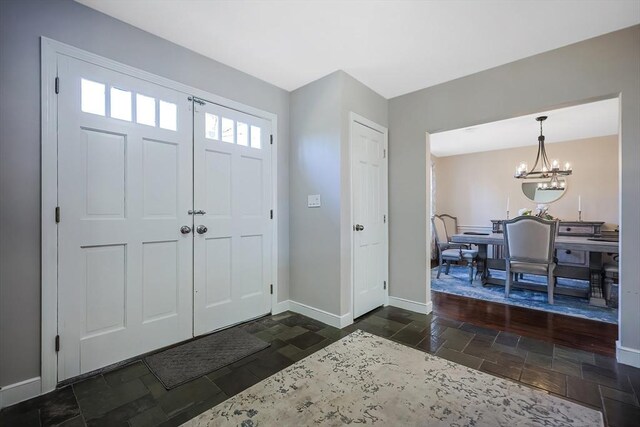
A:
(548, 169)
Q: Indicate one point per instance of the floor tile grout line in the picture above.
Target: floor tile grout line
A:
(468, 342)
(75, 396)
(604, 410)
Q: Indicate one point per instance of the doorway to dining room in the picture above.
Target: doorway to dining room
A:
(474, 189)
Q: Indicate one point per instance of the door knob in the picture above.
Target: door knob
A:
(201, 229)
(358, 227)
(185, 229)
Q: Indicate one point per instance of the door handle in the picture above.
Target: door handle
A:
(201, 229)
(185, 229)
(358, 227)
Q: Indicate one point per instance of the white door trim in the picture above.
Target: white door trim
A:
(50, 49)
(356, 118)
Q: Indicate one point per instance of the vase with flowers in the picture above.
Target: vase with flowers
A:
(541, 211)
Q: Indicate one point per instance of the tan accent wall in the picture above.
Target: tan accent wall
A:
(474, 187)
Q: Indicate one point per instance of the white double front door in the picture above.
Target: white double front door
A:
(139, 267)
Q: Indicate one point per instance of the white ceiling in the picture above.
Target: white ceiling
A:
(566, 124)
(394, 47)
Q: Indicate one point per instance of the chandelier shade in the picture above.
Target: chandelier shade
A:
(543, 168)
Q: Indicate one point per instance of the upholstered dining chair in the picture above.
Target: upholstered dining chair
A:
(529, 244)
(450, 251)
(450, 224)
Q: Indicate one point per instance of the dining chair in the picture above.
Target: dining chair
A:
(450, 224)
(529, 244)
(449, 251)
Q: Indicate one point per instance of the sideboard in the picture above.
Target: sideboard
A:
(565, 228)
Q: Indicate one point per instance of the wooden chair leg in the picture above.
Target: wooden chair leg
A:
(507, 285)
(471, 272)
(550, 286)
(448, 267)
(439, 267)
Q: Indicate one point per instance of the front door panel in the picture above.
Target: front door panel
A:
(124, 191)
(232, 200)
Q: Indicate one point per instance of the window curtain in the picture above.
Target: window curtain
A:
(434, 252)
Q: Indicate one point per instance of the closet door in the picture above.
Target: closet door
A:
(124, 191)
(232, 224)
(370, 232)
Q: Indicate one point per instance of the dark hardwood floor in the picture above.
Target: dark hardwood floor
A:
(583, 334)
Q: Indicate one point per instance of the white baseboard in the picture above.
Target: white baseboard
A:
(628, 356)
(418, 307)
(280, 307)
(18, 392)
(429, 307)
(321, 315)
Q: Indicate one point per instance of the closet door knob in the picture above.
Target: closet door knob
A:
(185, 229)
(201, 229)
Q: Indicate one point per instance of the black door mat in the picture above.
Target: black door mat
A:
(191, 360)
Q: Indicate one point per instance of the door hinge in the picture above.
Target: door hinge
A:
(271, 289)
(57, 84)
(384, 219)
(384, 153)
(57, 342)
(271, 139)
(57, 214)
(271, 214)
(385, 284)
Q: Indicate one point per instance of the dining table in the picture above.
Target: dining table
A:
(594, 246)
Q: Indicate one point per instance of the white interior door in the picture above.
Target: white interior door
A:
(369, 195)
(232, 188)
(124, 191)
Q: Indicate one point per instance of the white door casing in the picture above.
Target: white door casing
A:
(124, 191)
(369, 215)
(233, 258)
(53, 54)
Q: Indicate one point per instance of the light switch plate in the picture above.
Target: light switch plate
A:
(313, 201)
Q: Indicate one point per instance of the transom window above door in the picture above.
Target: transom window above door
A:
(228, 130)
(121, 104)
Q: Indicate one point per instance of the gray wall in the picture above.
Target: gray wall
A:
(315, 169)
(320, 237)
(21, 25)
(601, 67)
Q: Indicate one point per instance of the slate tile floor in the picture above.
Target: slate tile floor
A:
(132, 396)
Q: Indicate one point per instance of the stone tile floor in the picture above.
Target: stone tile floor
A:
(132, 396)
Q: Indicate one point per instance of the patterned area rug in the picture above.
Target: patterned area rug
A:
(457, 283)
(365, 379)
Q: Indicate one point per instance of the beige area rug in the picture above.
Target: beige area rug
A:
(365, 379)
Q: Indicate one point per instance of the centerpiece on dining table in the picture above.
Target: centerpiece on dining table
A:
(541, 211)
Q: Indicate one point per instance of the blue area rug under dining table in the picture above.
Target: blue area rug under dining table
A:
(457, 283)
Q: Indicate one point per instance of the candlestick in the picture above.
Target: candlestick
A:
(507, 204)
(507, 214)
(579, 203)
(580, 216)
